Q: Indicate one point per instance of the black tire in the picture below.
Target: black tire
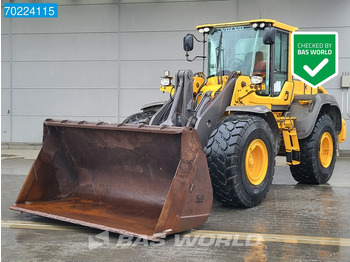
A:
(226, 154)
(140, 118)
(311, 170)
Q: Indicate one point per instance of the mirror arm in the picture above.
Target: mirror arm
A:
(191, 60)
(200, 41)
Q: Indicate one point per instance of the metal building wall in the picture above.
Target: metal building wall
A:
(59, 68)
(102, 60)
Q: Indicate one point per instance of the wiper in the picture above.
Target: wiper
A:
(218, 56)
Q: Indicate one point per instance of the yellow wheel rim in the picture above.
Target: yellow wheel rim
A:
(256, 162)
(326, 149)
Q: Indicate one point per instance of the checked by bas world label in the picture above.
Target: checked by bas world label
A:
(314, 57)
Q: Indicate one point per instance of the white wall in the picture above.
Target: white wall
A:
(102, 60)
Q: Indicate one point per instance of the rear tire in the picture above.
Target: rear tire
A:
(241, 160)
(317, 154)
(140, 118)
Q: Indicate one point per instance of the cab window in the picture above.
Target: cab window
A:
(280, 61)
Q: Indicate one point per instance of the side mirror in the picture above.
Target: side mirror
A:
(269, 35)
(188, 42)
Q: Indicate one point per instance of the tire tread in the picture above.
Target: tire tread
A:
(222, 155)
(307, 171)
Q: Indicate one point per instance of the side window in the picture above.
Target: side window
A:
(281, 61)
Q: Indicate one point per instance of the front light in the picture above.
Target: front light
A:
(165, 81)
(256, 80)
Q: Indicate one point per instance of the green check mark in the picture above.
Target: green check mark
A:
(318, 68)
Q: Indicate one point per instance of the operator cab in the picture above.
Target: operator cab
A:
(247, 48)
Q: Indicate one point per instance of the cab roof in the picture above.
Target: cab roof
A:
(274, 23)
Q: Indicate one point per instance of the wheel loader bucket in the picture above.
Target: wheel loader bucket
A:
(143, 181)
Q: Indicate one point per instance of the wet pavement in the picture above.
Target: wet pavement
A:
(294, 223)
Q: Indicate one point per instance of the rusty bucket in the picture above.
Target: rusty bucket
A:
(143, 181)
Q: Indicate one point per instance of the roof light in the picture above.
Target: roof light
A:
(204, 30)
(255, 25)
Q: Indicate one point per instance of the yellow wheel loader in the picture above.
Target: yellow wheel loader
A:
(218, 135)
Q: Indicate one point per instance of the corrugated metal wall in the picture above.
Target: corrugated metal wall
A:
(102, 60)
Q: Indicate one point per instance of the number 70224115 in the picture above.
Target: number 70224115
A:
(24, 10)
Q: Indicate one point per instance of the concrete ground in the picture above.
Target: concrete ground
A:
(294, 223)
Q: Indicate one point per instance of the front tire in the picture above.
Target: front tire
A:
(140, 118)
(317, 154)
(241, 160)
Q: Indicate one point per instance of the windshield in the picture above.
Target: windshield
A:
(238, 48)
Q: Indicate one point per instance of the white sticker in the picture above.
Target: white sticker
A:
(277, 86)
